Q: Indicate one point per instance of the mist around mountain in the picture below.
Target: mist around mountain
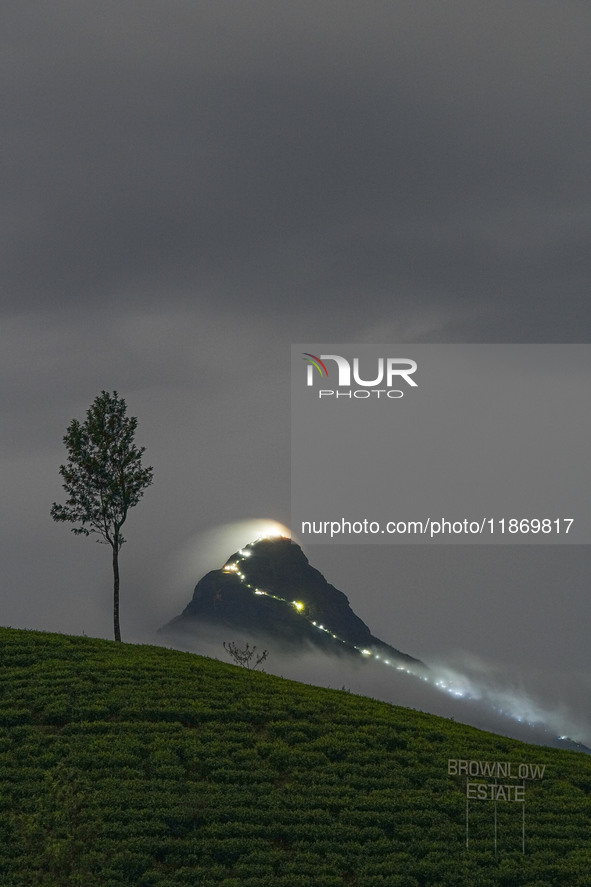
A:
(269, 590)
(267, 594)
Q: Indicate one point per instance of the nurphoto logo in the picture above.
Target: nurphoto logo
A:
(389, 371)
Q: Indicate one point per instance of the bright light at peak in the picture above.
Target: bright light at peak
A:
(210, 548)
(298, 605)
(271, 530)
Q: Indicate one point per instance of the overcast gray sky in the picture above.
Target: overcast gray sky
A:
(190, 187)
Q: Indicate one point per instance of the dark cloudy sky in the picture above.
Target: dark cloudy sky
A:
(190, 187)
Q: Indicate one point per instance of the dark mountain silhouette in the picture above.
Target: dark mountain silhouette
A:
(571, 745)
(269, 593)
(269, 590)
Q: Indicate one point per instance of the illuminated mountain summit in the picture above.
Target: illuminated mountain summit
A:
(268, 593)
(269, 590)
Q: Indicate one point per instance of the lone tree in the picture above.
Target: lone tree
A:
(103, 478)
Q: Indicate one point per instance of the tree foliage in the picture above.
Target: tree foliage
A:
(103, 476)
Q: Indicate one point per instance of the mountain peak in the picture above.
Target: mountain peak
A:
(268, 589)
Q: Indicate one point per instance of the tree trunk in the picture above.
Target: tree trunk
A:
(116, 589)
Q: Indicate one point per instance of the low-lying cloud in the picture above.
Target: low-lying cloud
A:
(535, 707)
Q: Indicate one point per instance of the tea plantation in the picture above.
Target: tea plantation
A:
(133, 765)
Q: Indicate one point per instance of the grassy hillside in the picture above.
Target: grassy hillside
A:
(143, 766)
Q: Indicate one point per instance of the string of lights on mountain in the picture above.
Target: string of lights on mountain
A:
(233, 565)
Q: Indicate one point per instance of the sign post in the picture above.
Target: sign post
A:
(509, 790)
